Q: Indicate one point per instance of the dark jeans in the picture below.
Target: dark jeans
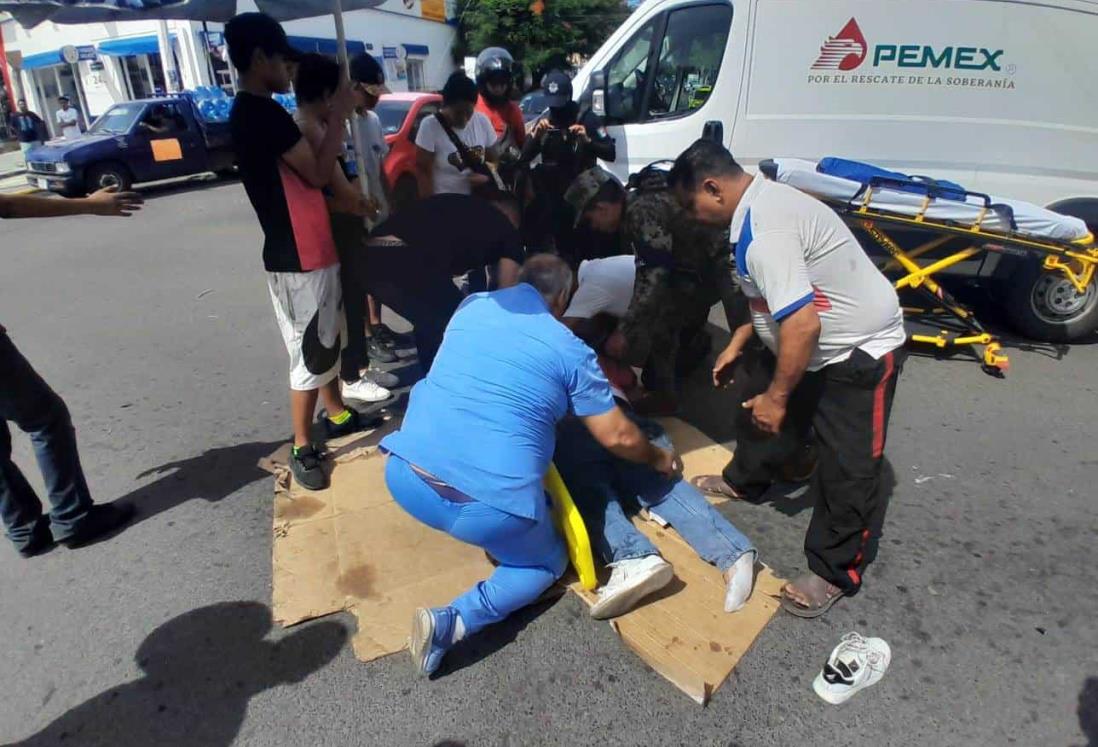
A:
(417, 286)
(848, 404)
(28, 402)
(350, 233)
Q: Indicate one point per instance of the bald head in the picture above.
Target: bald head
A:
(552, 277)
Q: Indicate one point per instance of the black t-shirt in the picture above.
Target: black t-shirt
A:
(458, 232)
(293, 214)
(26, 126)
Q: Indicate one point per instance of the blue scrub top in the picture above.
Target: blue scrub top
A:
(484, 420)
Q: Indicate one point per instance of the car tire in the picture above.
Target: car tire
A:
(109, 174)
(1043, 305)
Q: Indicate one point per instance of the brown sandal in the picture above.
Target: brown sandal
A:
(715, 486)
(821, 595)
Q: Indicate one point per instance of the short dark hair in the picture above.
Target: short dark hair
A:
(705, 159)
(247, 32)
(317, 77)
(459, 87)
(610, 191)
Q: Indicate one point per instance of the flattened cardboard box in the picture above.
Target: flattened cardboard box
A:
(350, 547)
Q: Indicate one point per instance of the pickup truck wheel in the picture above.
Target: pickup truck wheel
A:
(1044, 305)
(109, 175)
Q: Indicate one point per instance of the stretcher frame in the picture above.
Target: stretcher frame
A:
(1075, 260)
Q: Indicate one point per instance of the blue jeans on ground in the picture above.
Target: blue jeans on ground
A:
(27, 401)
(600, 482)
(530, 553)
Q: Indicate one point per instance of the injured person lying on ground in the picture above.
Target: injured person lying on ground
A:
(602, 484)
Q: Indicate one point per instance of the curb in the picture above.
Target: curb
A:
(12, 174)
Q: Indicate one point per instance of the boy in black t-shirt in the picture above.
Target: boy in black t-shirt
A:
(283, 178)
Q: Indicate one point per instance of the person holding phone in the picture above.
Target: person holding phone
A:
(453, 146)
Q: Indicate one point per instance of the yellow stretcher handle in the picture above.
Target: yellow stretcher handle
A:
(570, 523)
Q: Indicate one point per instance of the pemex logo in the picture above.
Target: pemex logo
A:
(844, 51)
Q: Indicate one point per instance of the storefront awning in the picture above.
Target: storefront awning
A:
(420, 50)
(132, 45)
(43, 59)
(324, 46)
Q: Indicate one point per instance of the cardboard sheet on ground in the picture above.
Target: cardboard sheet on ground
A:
(350, 547)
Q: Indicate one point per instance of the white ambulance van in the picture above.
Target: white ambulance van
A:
(1000, 96)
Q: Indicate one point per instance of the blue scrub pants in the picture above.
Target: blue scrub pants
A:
(530, 553)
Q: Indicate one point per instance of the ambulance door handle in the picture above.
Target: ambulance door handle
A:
(713, 130)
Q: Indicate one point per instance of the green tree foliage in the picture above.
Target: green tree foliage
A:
(538, 41)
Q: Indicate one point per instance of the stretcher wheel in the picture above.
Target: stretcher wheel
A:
(570, 523)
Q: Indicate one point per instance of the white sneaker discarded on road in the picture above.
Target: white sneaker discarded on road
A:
(855, 664)
(365, 390)
(631, 581)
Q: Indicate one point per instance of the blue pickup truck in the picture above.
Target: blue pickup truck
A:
(138, 141)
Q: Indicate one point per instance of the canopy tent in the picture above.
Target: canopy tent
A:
(32, 12)
(131, 45)
(325, 46)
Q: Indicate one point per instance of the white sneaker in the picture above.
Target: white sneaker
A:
(741, 579)
(856, 663)
(365, 390)
(631, 581)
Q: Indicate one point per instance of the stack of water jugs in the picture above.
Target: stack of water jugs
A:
(214, 104)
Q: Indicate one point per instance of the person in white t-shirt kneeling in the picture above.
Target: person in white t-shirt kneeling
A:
(834, 324)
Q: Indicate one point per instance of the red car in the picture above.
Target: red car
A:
(401, 115)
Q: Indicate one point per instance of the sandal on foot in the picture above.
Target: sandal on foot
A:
(821, 596)
(715, 486)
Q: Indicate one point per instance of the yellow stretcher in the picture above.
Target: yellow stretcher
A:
(1075, 261)
(570, 523)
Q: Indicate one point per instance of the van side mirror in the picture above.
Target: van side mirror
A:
(598, 93)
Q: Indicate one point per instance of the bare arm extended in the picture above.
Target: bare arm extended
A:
(107, 201)
(621, 436)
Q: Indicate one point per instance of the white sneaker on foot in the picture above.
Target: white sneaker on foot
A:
(741, 580)
(630, 581)
(856, 663)
(365, 390)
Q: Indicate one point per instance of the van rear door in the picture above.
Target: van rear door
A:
(668, 78)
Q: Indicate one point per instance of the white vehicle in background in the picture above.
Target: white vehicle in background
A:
(1000, 96)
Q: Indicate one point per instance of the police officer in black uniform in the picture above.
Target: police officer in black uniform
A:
(570, 139)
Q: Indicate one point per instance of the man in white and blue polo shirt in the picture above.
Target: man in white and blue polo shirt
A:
(834, 327)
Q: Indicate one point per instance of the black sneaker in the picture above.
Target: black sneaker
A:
(388, 337)
(41, 541)
(379, 352)
(357, 422)
(382, 378)
(101, 522)
(307, 467)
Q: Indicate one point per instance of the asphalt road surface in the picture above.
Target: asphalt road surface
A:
(159, 334)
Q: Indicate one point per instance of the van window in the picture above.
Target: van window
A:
(627, 74)
(689, 59)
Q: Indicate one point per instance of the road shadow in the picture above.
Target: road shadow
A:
(210, 476)
(478, 647)
(1088, 711)
(200, 671)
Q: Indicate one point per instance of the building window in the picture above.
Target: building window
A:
(415, 75)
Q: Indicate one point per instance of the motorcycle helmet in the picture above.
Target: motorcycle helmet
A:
(494, 64)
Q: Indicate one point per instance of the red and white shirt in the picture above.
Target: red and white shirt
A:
(792, 250)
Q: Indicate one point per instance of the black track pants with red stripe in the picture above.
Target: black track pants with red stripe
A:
(851, 424)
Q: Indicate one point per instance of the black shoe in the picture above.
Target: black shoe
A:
(382, 378)
(101, 522)
(379, 352)
(357, 422)
(307, 467)
(388, 337)
(41, 541)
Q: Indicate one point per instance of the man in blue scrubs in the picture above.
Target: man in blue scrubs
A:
(479, 434)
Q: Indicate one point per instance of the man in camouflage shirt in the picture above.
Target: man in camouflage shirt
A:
(683, 268)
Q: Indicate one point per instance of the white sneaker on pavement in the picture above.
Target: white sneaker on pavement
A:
(365, 390)
(741, 580)
(630, 581)
(855, 664)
